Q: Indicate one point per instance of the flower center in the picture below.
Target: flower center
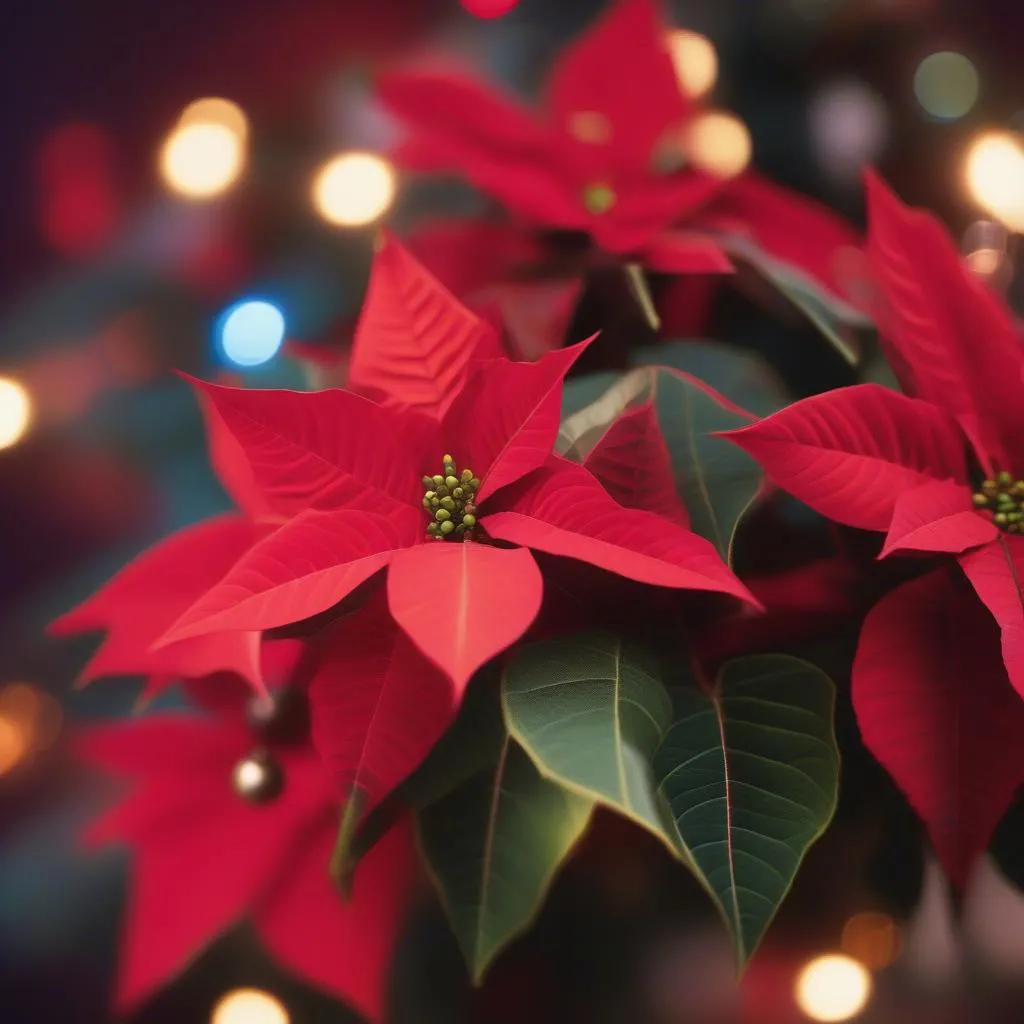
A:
(1004, 498)
(598, 197)
(449, 498)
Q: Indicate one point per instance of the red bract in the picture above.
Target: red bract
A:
(262, 858)
(606, 156)
(379, 491)
(878, 460)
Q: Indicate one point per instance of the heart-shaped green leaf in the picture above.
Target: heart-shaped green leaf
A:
(493, 846)
(751, 773)
(591, 711)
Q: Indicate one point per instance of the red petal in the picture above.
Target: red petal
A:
(633, 464)
(937, 516)
(940, 310)
(325, 449)
(414, 340)
(935, 708)
(563, 510)
(138, 605)
(307, 566)
(377, 704)
(850, 453)
(462, 125)
(343, 947)
(995, 572)
(622, 69)
(464, 603)
(673, 252)
(505, 422)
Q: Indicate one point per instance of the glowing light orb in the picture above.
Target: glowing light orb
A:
(946, 85)
(219, 111)
(201, 160)
(354, 189)
(488, 8)
(251, 332)
(872, 939)
(719, 144)
(695, 60)
(994, 173)
(833, 988)
(249, 1006)
(15, 412)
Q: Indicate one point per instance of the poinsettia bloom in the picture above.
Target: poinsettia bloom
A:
(448, 489)
(939, 472)
(251, 825)
(607, 157)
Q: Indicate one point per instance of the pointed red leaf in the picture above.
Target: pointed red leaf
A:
(639, 101)
(344, 947)
(632, 463)
(935, 708)
(324, 449)
(938, 311)
(537, 314)
(414, 341)
(675, 252)
(138, 605)
(377, 705)
(937, 516)
(463, 603)
(504, 423)
(302, 569)
(850, 453)
(996, 572)
(563, 510)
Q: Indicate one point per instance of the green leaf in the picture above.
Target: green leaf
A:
(493, 846)
(741, 376)
(579, 392)
(591, 711)
(751, 773)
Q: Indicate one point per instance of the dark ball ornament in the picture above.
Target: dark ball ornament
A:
(258, 778)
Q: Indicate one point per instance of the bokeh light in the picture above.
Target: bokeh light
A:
(251, 332)
(849, 125)
(946, 85)
(354, 189)
(695, 60)
(719, 144)
(201, 160)
(872, 939)
(219, 111)
(833, 988)
(986, 250)
(994, 173)
(249, 1006)
(488, 8)
(30, 719)
(15, 412)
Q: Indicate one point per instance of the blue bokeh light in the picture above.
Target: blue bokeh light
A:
(251, 332)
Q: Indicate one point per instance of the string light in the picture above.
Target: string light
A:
(695, 60)
(833, 988)
(251, 332)
(354, 189)
(719, 144)
(994, 173)
(249, 1006)
(15, 412)
(946, 85)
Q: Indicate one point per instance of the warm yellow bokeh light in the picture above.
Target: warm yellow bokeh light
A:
(15, 412)
(994, 171)
(833, 988)
(719, 144)
(695, 60)
(354, 189)
(872, 938)
(13, 744)
(219, 111)
(201, 160)
(249, 1006)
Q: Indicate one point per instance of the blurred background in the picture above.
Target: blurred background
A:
(189, 185)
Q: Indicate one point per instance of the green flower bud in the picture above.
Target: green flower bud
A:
(442, 514)
(426, 503)
(442, 491)
(451, 481)
(448, 503)
(1014, 517)
(470, 508)
(447, 458)
(447, 527)
(437, 479)
(458, 492)
(1005, 499)
(460, 528)
(979, 500)
(474, 483)
(469, 521)
(1000, 518)
(467, 475)
(1004, 479)
(428, 481)
(434, 529)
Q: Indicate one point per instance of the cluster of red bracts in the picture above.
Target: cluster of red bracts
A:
(342, 511)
